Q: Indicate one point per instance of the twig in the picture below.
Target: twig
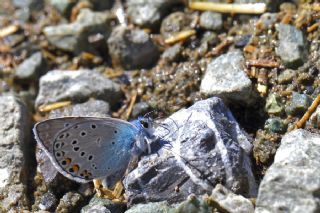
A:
(249, 48)
(254, 8)
(132, 102)
(8, 30)
(308, 113)
(180, 36)
(118, 189)
(111, 73)
(57, 105)
(315, 7)
(313, 27)
(262, 63)
(217, 49)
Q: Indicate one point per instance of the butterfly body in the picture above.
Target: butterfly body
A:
(84, 148)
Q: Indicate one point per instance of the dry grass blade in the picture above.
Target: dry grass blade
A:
(313, 27)
(254, 8)
(57, 105)
(262, 63)
(308, 113)
(180, 36)
(8, 30)
(315, 6)
(132, 102)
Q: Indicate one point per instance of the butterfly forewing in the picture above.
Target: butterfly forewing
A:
(87, 148)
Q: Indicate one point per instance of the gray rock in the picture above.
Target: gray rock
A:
(292, 182)
(94, 108)
(208, 40)
(264, 147)
(286, 76)
(148, 13)
(225, 77)
(299, 104)
(22, 15)
(140, 109)
(231, 202)
(211, 20)
(31, 68)
(274, 105)
(193, 205)
(156, 207)
(70, 202)
(74, 37)
(275, 125)
(77, 86)
(173, 53)
(132, 48)
(29, 4)
(292, 47)
(242, 40)
(268, 19)
(14, 144)
(200, 147)
(221, 199)
(102, 205)
(63, 6)
(48, 202)
(175, 22)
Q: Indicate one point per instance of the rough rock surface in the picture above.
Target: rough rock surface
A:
(63, 6)
(132, 48)
(230, 202)
(14, 139)
(94, 108)
(292, 47)
(200, 147)
(148, 13)
(292, 182)
(31, 68)
(73, 37)
(211, 20)
(101, 205)
(78, 86)
(225, 78)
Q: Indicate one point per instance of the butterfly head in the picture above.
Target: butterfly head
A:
(146, 133)
(146, 126)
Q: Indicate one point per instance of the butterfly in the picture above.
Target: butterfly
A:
(85, 148)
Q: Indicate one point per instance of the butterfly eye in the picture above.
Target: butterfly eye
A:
(145, 124)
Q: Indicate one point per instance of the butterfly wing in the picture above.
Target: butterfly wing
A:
(84, 148)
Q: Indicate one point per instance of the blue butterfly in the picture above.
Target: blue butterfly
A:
(85, 148)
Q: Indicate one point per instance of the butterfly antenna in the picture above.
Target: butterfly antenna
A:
(148, 113)
(175, 123)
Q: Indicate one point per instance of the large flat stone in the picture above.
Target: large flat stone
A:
(200, 147)
(225, 77)
(14, 138)
(292, 182)
(77, 86)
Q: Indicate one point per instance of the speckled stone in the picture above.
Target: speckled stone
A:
(292, 183)
(78, 86)
(225, 77)
(14, 144)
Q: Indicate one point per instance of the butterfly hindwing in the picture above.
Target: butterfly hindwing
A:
(84, 148)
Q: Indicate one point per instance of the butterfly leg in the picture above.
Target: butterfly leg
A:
(148, 144)
(118, 189)
(103, 191)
